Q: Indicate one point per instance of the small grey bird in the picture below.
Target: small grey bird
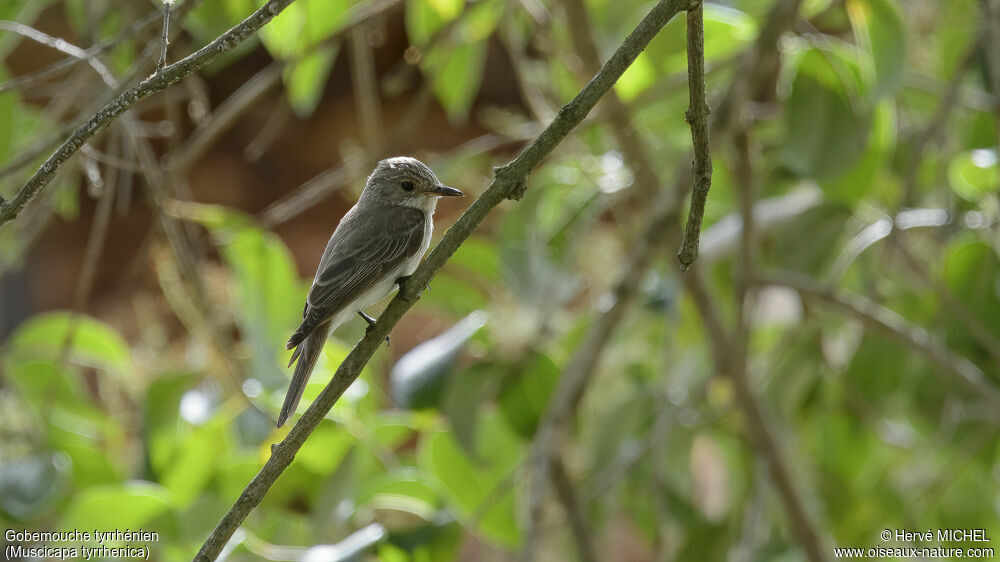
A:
(378, 242)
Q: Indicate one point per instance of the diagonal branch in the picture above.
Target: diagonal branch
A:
(509, 183)
(156, 83)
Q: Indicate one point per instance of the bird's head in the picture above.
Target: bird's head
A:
(406, 181)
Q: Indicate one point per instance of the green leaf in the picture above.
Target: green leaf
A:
(8, 108)
(871, 171)
(325, 448)
(285, 35)
(126, 506)
(400, 490)
(306, 79)
(637, 77)
(42, 383)
(974, 174)
(194, 462)
(269, 298)
(456, 74)
(879, 30)
(524, 395)
(825, 136)
(479, 256)
(94, 343)
(417, 379)
(325, 18)
(810, 242)
(465, 393)
(971, 271)
(472, 489)
(424, 18)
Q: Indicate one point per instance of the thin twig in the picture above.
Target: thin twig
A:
(876, 316)
(165, 36)
(58, 44)
(91, 257)
(697, 117)
(224, 117)
(122, 103)
(936, 126)
(509, 183)
(27, 80)
(614, 109)
(366, 94)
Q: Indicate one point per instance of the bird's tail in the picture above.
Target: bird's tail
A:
(307, 354)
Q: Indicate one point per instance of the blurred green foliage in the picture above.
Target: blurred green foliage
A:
(101, 432)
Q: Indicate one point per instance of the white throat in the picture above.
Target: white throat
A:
(425, 204)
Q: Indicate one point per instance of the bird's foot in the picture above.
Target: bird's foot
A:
(371, 324)
(402, 283)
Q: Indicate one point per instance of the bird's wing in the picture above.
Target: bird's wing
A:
(358, 257)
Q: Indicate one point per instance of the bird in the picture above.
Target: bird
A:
(378, 243)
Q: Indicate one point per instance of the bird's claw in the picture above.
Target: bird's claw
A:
(371, 324)
(402, 282)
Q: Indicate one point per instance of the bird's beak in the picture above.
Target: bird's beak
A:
(445, 191)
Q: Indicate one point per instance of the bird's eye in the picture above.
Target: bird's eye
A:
(407, 186)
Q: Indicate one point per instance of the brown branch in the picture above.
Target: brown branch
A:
(977, 329)
(366, 94)
(697, 117)
(125, 101)
(224, 117)
(762, 433)
(27, 80)
(574, 512)
(165, 36)
(877, 317)
(509, 183)
(759, 425)
(936, 126)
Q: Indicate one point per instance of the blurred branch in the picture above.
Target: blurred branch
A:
(91, 256)
(762, 434)
(366, 94)
(877, 317)
(574, 512)
(991, 9)
(60, 45)
(553, 429)
(974, 325)
(697, 117)
(125, 101)
(224, 117)
(27, 80)
(614, 109)
(509, 183)
(935, 127)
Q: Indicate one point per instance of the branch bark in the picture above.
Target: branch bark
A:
(697, 117)
(509, 183)
(158, 82)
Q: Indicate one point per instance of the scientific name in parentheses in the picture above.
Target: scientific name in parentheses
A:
(942, 535)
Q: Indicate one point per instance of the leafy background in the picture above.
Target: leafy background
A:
(147, 398)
